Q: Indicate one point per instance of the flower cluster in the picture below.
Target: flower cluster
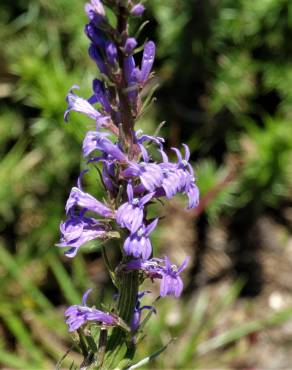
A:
(133, 176)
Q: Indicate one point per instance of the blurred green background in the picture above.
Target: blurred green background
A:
(225, 74)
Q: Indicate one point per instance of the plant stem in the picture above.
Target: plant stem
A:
(127, 300)
(127, 118)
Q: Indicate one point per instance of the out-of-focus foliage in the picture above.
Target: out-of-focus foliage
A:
(231, 94)
(225, 73)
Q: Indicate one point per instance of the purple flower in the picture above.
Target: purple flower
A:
(179, 177)
(193, 194)
(137, 10)
(81, 105)
(98, 141)
(144, 138)
(138, 244)
(100, 95)
(171, 283)
(96, 56)
(79, 198)
(79, 315)
(130, 214)
(132, 77)
(108, 175)
(141, 138)
(111, 52)
(130, 45)
(136, 319)
(94, 10)
(147, 61)
(150, 174)
(95, 35)
(78, 230)
(155, 268)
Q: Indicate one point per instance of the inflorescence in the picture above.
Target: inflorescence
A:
(132, 177)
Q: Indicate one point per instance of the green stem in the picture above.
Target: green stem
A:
(128, 291)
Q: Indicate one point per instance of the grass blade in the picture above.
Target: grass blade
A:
(243, 330)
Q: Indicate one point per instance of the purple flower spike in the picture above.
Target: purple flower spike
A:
(171, 283)
(78, 230)
(79, 198)
(138, 244)
(130, 45)
(138, 9)
(125, 165)
(130, 214)
(147, 61)
(80, 105)
(79, 315)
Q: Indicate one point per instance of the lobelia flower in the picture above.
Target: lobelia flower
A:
(95, 11)
(135, 77)
(95, 35)
(141, 138)
(81, 105)
(132, 77)
(171, 283)
(136, 319)
(131, 213)
(78, 230)
(108, 174)
(138, 243)
(147, 61)
(100, 95)
(150, 174)
(97, 58)
(179, 177)
(111, 52)
(79, 315)
(137, 10)
(79, 198)
(95, 140)
(155, 268)
(130, 45)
